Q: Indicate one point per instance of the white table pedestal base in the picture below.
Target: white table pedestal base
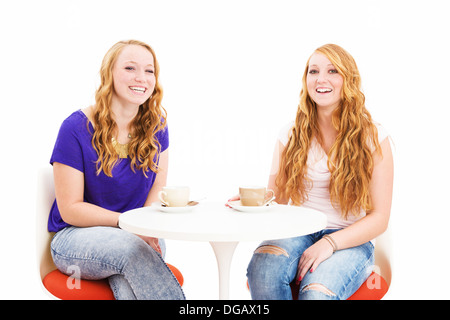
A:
(224, 252)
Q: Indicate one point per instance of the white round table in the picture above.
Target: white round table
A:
(223, 228)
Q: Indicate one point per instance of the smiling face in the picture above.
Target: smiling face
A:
(133, 76)
(323, 81)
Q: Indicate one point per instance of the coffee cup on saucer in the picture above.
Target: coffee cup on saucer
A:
(256, 196)
(174, 196)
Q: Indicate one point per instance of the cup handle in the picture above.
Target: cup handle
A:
(271, 198)
(161, 198)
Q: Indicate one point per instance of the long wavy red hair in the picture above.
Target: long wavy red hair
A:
(151, 118)
(350, 160)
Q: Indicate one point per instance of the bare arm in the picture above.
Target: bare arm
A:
(367, 228)
(376, 221)
(158, 184)
(69, 190)
(279, 147)
(160, 180)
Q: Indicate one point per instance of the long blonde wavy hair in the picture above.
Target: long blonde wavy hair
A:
(350, 160)
(151, 118)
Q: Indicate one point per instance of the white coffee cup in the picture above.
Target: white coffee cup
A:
(255, 196)
(174, 196)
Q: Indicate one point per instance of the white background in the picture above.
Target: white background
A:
(231, 71)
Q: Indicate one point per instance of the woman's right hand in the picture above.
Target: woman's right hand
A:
(233, 198)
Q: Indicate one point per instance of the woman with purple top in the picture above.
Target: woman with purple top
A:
(110, 158)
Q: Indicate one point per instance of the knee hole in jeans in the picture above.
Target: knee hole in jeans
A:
(272, 250)
(318, 287)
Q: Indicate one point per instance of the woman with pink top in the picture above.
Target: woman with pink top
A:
(334, 159)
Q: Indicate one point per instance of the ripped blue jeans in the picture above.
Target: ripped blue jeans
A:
(271, 271)
(133, 268)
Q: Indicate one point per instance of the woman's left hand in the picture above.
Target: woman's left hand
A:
(312, 257)
(152, 242)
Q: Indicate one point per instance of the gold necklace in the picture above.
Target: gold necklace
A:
(121, 149)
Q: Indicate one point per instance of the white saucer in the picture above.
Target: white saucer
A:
(160, 207)
(237, 205)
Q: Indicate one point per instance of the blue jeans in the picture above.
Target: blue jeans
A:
(133, 268)
(269, 274)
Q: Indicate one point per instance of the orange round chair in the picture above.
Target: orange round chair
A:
(54, 282)
(374, 288)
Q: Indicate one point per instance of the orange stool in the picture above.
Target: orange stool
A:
(56, 283)
(369, 291)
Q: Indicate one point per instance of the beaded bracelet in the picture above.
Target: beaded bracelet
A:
(331, 241)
